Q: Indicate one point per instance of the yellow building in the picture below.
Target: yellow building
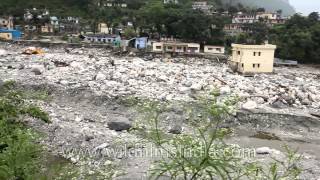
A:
(5, 36)
(248, 59)
(103, 28)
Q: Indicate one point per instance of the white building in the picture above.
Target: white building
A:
(214, 49)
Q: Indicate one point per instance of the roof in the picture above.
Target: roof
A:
(101, 35)
(244, 46)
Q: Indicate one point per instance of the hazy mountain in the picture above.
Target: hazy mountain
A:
(269, 5)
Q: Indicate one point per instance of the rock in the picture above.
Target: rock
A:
(3, 52)
(266, 150)
(100, 77)
(278, 104)
(88, 137)
(37, 69)
(176, 129)
(196, 87)
(305, 101)
(101, 146)
(120, 124)
(249, 105)
(225, 90)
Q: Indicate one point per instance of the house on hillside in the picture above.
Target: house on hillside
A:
(249, 59)
(6, 22)
(112, 3)
(103, 28)
(209, 49)
(202, 6)
(170, 1)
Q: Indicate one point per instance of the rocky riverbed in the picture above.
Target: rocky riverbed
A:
(88, 86)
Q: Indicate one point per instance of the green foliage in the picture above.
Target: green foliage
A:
(203, 154)
(36, 112)
(298, 39)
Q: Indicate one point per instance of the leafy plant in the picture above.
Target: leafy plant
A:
(203, 154)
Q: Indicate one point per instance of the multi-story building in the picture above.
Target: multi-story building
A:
(249, 59)
(202, 6)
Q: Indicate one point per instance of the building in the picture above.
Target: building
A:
(47, 28)
(249, 59)
(244, 18)
(103, 28)
(170, 1)
(202, 6)
(10, 34)
(112, 3)
(208, 49)
(174, 46)
(103, 38)
(6, 22)
(235, 29)
(141, 42)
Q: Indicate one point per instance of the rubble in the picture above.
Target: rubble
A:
(87, 123)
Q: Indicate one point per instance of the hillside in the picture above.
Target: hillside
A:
(269, 5)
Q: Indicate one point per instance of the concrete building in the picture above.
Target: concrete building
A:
(103, 28)
(249, 59)
(176, 47)
(112, 3)
(202, 6)
(244, 18)
(208, 49)
(103, 38)
(6, 22)
(170, 1)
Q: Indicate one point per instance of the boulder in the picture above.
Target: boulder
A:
(100, 77)
(225, 90)
(3, 52)
(196, 87)
(37, 69)
(249, 105)
(176, 129)
(120, 124)
(266, 150)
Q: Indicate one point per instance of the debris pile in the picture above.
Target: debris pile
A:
(133, 76)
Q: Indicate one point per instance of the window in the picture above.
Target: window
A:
(254, 65)
(254, 53)
(179, 48)
(169, 47)
(258, 65)
(218, 49)
(259, 53)
(158, 47)
(242, 65)
(238, 52)
(210, 49)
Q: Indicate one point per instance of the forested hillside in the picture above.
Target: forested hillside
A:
(269, 5)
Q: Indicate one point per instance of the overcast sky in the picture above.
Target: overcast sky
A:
(306, 6)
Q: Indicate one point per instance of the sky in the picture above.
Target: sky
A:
(306, 6)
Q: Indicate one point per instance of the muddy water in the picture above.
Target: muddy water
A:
(254, 139)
